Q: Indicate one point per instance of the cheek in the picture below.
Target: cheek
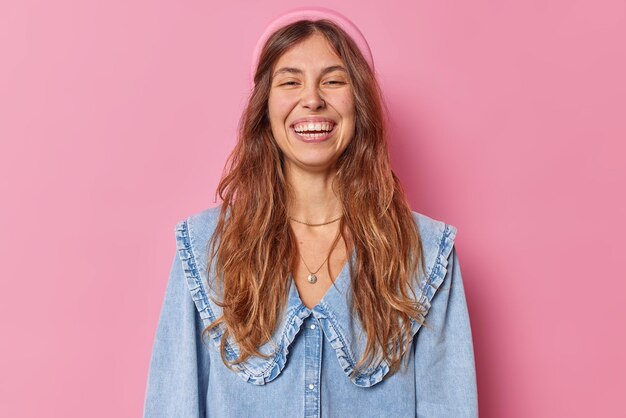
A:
(347, 105)
(279, 106)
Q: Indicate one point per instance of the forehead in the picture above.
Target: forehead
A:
(312, 52)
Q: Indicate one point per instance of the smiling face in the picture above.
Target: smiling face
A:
(311, 105)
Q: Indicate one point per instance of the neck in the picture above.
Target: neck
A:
(314, 200)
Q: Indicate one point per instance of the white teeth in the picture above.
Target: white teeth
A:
(322, 126)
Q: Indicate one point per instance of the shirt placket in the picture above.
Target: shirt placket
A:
(312, 367)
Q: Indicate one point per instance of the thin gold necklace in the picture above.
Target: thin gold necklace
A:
(312, 278)
(310, 224)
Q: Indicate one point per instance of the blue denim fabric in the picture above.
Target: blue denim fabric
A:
(310, 373)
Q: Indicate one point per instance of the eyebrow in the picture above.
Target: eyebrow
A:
(293, 70)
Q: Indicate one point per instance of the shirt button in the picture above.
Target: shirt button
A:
(312, 326)
(311, 386)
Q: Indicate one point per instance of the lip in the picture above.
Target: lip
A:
(313, 119)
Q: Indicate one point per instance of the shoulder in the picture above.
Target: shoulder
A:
(437, 243)
(192, 238)
(200, 224)
(194, 231)
(434, 230)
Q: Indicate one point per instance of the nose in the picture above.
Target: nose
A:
(311, 98)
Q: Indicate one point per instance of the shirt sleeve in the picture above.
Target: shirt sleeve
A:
(444, 355)
(179, 364)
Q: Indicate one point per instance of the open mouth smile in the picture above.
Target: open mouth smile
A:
(314, 132)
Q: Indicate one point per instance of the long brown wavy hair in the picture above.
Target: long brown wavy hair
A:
(257, 248)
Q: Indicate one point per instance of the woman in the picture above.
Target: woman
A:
(303, 292)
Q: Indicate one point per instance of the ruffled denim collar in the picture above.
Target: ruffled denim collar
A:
(340, 328)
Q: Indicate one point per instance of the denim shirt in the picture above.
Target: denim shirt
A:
(311, 374)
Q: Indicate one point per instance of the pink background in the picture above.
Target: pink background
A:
(509, 122)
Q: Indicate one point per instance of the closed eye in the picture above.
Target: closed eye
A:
(291, 83)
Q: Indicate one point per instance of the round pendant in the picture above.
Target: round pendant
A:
(312, 278)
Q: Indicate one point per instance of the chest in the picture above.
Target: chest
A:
(317, 258)
(313, 384)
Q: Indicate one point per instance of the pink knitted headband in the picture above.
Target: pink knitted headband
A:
(312, 13)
